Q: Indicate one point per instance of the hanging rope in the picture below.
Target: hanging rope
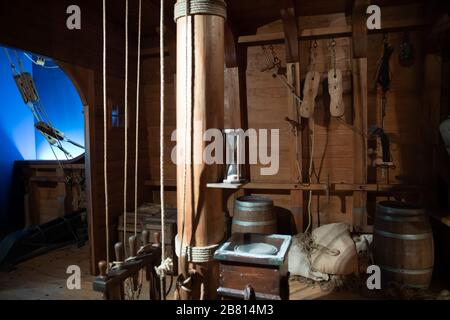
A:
(19, 61)
(138, 82)
(166, 263)
(162, 122)
(125, 172)
(105, 136)
(274, 65)
(13, 67)
(40, 114)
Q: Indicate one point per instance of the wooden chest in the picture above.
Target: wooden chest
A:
(266, 274)
(149, 218)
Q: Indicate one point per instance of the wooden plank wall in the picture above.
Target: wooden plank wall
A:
(267, 103)
(333, 156)
(151, 93)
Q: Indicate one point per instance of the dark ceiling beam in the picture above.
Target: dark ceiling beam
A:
(290, 26)
(359, 28)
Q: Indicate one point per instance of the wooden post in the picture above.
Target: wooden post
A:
(290, 27)
(431, 121)
(200, 106)
(236, 110)
(359, 71)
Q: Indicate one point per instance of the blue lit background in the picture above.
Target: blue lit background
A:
(18, 138)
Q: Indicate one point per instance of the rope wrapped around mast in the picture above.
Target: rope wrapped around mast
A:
(201, 7)
(195, 254)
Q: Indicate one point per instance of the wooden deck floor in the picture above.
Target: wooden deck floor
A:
(44, 278)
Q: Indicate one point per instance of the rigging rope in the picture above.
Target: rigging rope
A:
(310, 173)
(37, 63)
(125, 173)
(162, 96)
(21, 68)
(13, 67)
(37, 109)
(105, 137)
(138, 81)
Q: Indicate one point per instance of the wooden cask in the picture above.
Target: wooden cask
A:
(254, 214)
(403, 244)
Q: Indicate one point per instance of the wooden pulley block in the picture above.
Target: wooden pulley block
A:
(120, 254)
(336, 90)
(310, 91)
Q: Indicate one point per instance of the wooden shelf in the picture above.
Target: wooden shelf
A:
(268, 186)
(335, 187)
(339, 187)
(230, 186)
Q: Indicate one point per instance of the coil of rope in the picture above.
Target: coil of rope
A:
(199, 7)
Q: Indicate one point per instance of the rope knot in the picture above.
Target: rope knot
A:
(165, 267)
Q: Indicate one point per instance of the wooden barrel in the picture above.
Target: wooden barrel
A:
(403, 244)
(254, 214)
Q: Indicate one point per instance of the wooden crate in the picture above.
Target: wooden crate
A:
(51, 190)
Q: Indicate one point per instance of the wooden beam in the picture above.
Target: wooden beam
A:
(360, 92)
(360, 142)
(231, 47)
(304, 34)
(236, 109)
(296, 138)
(430, 122)
(291, 31)
(390, 24)
(290, 27)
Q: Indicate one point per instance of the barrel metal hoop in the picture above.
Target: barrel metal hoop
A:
(384, 208)
(420, 236)
(255, 209)
(254, 224)
(200, 7)
(417, 218)
(406, 271)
